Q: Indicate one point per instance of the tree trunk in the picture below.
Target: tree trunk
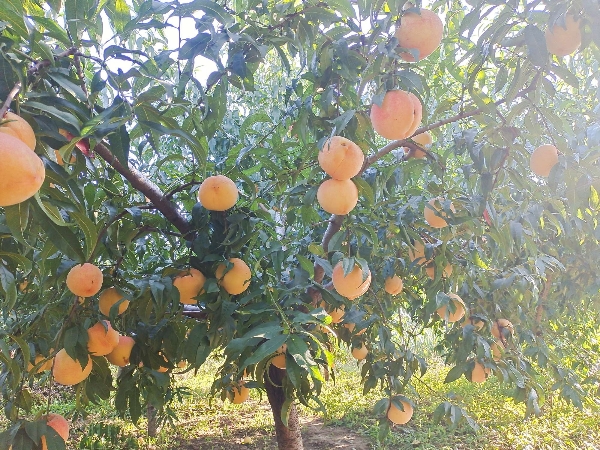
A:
(288, 438)
(152, 423)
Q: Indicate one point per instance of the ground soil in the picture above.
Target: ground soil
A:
(316, 436)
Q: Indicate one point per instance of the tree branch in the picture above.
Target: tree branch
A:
(463, 115)
(335, 222)
(46, 62)
(148, 188)
(539, 310)
(11, 96)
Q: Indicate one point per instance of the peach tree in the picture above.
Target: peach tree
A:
(456, 219)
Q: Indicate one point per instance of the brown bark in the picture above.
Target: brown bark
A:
(11, 96)
(148, 188)
(288, 438)
(152, 422)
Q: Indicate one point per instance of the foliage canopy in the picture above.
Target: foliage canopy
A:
(127, 80)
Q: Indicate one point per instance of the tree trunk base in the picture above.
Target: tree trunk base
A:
(290, 437)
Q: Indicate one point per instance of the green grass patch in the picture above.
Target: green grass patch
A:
(215, 423)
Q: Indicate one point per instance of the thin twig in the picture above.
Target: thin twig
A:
(11, 96)
(181, 187)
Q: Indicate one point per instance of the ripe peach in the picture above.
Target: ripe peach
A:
(352, 285)
(337, 314)
(279, 361)
(240, 394)
(60, 425)
(399, 417)
(22, 172)
(564, 40)
(68, 371)
(360, 353)
(434, 215)
(108, 298)
(499, 326)
(337, 196)
(424, 140)
(480, 373)
(341, 158)
(61, 162)
(19, 128)
(457, 314)
(497, 349)
(416, 254)
(398, 116)
(218, 193)
(351, 326)
(237, 279)
(431, 271)
(47, 365)
(393, 285)
(543, 159)
(190, 284)
(85, 280)
(122, 352)
(101, 340)
(422, 32)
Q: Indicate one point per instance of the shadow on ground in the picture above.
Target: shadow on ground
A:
(316, 436)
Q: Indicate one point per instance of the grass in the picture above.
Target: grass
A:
(217, 424)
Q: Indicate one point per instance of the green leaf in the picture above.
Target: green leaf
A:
(17, 218)
(89, 230)
(119, 14)
(61, 236)
(267, 348)
(52, 29)
(566, 75)
(19, 260)
(217, 106)
(54, 440)
(536, 46)
(259, 117)
(384, 430)
(307, 265)
(211, 9)
(343, 6)
(8, 76)
(454, 374)
(23, 346)
(7, 281)
(191, 139)
(119, 145)
(335, 243)
(64, 116)
(13, 13)
(286, 408)
(35, 430)
(365, 190)
(341, 122)
(76, 14)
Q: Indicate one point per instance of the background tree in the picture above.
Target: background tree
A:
(117, 89)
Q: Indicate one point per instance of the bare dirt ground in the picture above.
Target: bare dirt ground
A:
(316, 436)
